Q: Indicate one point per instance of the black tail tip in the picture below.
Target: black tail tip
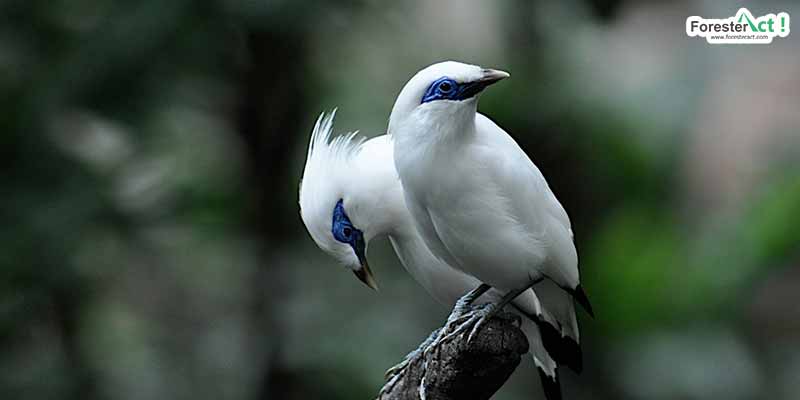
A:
(563, 349)
(580, 296)
(550, 385)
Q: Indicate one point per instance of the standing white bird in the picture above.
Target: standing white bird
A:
(350, 193)
(476, 198)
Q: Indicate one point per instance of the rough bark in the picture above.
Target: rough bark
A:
(465, 371)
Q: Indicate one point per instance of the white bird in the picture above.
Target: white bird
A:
(476, 198)
(350, 194)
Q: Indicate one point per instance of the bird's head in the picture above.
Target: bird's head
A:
(348, 194)
(446, 90)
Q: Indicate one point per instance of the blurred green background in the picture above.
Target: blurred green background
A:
(151, 151)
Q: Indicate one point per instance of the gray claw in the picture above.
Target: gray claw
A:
(396, 369)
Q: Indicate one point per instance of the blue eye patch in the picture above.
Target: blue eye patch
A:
(445, 88)
(341, 228)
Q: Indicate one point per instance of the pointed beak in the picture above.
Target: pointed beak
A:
(491, 76)
(364, 274)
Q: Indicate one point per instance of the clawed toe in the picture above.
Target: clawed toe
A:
(472, 322)
(390, 383)
(395, 369)
(393, 374)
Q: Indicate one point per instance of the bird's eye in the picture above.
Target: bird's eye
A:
(445, 87)
(347, 232)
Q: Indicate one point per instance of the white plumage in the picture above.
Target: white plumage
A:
(476, 198)
(362, 174)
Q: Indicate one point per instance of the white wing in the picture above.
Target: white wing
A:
(530, 200)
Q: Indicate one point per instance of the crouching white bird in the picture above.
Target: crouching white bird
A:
(478, 201)
(350, 193)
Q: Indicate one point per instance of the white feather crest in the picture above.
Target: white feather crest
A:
(325, 178)
(326, 153)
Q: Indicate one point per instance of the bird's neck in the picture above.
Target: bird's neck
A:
(385, 215)
(431, 132)
(439, 279)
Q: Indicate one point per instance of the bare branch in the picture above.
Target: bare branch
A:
(466, 371)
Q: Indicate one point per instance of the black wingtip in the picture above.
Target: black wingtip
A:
(580, 296)
(563, 349)
(550, 385)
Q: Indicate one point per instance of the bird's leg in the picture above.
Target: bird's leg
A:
(463, 306)
(477, 317)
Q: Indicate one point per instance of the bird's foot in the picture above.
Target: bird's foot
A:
(397, 369)
(389, 385)
(452, 323)
(396, 372)
(413, 356)
(463, 307)
(477, 316)
(471, 321)
(460, 320)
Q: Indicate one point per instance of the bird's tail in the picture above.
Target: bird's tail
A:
(580, 296)
(545, 364)
(560, 331)
(558, 344)
(564, 349)
(550, 382)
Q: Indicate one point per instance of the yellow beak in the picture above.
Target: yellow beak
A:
(364, 274)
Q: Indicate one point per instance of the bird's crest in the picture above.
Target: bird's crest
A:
(324, 152)
(325, 176)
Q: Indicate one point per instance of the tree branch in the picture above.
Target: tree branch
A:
(458, 370)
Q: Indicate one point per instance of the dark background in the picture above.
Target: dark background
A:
(151, 151)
